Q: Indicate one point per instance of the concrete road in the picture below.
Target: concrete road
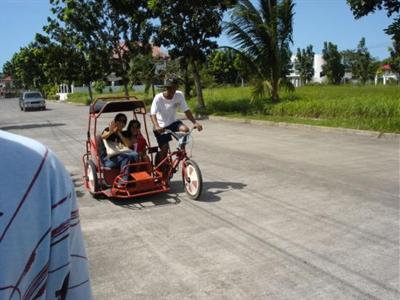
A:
(285, 214)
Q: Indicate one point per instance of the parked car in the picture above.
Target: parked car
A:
(32, 99)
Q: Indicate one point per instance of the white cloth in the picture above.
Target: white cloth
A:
(40, 236)
(165, 109)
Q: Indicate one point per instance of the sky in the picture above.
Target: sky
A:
(315, 22)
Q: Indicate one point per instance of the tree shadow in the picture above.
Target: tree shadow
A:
(212, 190)
(30, 126)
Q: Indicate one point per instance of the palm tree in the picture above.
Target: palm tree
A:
(262, 37)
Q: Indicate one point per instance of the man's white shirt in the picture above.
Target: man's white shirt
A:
(165, 109)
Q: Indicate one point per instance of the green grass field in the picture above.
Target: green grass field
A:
(360, 107)
(83, 98)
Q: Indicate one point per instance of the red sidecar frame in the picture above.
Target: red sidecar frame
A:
(101, 181)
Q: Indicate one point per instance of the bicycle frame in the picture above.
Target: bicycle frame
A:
(172, 159)
(175, 157)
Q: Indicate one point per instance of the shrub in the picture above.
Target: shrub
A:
(99, 86)
(49, 89)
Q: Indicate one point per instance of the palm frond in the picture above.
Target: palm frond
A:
(242, 39)
(266, 7)
(248, 5)
(260, 91)
(263, 36)
(286, 14)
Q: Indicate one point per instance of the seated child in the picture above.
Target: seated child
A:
(137, 142)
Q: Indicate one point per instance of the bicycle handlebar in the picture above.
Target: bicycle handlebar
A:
(178, 135)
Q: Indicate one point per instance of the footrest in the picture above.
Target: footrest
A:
(141, 176)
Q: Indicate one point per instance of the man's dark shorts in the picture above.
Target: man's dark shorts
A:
(164, 138)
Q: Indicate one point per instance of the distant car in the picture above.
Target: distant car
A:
(32, 100)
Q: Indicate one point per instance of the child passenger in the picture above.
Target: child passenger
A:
(137, 142)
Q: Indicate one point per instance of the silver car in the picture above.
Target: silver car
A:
(32, 100)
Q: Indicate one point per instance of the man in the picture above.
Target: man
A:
(163, 114)
(113, 133)
(42, 255)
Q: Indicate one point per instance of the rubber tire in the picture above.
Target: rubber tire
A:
(187, 180)
(92, 179)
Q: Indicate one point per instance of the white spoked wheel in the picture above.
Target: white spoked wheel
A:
(92, 180)
(192, 179)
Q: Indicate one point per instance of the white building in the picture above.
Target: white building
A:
(318, 75)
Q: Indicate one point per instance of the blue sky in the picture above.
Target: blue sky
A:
(315, 21)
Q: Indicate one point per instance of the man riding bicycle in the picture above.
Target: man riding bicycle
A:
(163, 115)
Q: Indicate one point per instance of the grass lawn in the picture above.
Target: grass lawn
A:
(360, 107)
(83, 98)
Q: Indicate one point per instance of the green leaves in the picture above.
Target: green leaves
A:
(304, 63)
(189, 28)
(263, 35)
(333, 67)
(362, 8)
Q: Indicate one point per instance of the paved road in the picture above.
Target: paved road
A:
(286, 214)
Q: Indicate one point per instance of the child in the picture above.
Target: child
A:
(137, 142)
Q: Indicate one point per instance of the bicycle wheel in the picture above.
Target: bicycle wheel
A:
(92, 180)
(192, 179)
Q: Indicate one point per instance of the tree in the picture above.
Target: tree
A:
(349, 58)
(26, 68)
(304, 63)
(362, 8)
(130, 20)
(221, 66)
(333, 67)
(394, 60)
(242, 67)
(262, 37)
(9, 68)
(77, 26)
(60, 64)
(143, 69)
(190, 28)
(364, 63)
(359, 62)
(106, 33)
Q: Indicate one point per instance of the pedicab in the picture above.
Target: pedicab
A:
(146, 177)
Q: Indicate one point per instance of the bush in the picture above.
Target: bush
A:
(53, 97)
(49, 89)
(99, 86)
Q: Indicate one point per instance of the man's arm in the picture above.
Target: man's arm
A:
(153, 117)
(106, 134)
(188, 112)
(157, 126)
(197, 125)
(109, 131)
(127, 142)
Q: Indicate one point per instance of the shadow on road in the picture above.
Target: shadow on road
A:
(211, 190)
(211, 193)
(152, 201)
(31, 126)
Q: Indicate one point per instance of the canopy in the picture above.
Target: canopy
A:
(117, 104)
